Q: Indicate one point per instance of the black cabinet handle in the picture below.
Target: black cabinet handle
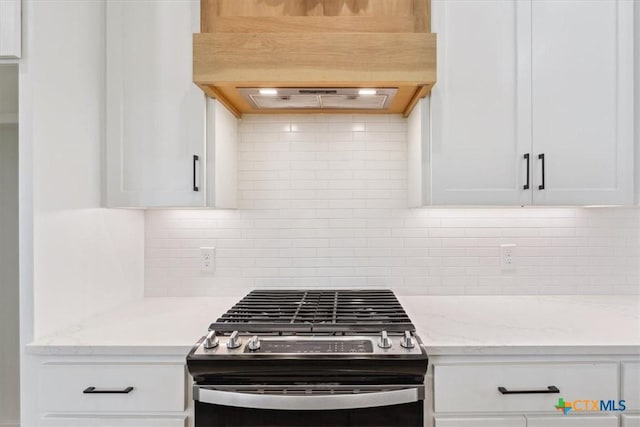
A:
(526, 157)
(549, 389)
(93, 390)
(541, 157)
(195, 160)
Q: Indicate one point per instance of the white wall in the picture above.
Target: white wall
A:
(637, 98)
(76, 258)
(9, 313)
(323, 203)
(86, 259)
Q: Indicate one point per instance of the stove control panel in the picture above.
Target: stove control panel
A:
(245, 344)
(314, 346)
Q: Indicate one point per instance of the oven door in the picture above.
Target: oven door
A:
(306, 406)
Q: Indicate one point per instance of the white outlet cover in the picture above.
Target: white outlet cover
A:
(508, 257)
(208, 260)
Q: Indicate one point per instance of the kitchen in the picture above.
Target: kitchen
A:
(321, 202)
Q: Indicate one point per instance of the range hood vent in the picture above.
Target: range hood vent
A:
(319, 98)
(319, 55)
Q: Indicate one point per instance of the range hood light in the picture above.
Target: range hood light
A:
(268, 92)
(320, 98)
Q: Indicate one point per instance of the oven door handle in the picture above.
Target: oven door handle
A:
(310, 402)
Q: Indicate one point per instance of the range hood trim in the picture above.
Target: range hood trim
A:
(224, 62)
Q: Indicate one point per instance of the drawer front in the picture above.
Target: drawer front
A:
(474, 388)
(573, 421)
(631, 421)
(631, 385)
(105, 421)
(155, 388)
(480, 422)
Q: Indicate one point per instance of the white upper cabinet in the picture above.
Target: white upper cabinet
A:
(222, 156)
(157, 144)
(10, 28)
(582, 86)
(518, 79)
(479, 102)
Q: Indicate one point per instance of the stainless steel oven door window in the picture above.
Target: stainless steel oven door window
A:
(330, 405)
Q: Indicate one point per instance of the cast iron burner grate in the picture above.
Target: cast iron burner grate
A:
(316, 311)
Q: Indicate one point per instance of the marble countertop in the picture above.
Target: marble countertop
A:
(448, 325)
(520, 325)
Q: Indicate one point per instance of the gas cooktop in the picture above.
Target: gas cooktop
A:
(291, 357)
(332, 325)
(315, 311)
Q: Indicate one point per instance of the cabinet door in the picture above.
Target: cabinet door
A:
(480, 106)
(155, 114)
(582, 89)
(573, 421)
(480, 422)
(631, 421)
(112, 421)
(10, 29)
(631, 385)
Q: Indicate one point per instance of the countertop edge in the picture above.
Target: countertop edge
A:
(535, 350)
(107, 350)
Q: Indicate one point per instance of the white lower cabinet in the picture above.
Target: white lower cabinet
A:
(111, 421)
(524, 391)
(480, 422)
(114, 391)
(99, 387)
(631, 385)
(573, 421)
(519, 387)
(631, 421)
(533, 421)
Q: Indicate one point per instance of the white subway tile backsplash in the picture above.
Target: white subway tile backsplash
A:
(322, 202)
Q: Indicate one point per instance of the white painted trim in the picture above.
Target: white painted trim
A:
(10, 28)
(419, 155)
(222, 157)
(637, 101)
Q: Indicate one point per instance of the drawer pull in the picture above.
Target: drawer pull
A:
(93, 390)
(550, 389)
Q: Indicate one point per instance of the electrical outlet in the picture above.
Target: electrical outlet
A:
(208, 260)
(508, 257)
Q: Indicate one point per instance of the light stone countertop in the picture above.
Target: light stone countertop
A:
(448, 325)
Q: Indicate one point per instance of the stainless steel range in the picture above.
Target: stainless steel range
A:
(310, 358)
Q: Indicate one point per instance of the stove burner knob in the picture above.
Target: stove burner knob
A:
(384, 341)
(407, 340)
(211, 341)
(254, 343)
(234, 341)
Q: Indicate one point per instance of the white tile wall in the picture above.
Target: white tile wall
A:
(322, 203)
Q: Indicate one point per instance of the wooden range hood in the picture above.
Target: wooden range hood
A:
(315, 44)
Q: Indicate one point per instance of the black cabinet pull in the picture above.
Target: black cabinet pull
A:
(549, 389)
(93, 390)
(541, 157)
(526, 157)
(195, 160)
